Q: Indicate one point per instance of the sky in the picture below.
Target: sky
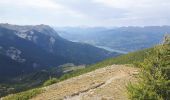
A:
(93, 13)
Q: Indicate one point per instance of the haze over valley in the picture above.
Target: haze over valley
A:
(126, 39)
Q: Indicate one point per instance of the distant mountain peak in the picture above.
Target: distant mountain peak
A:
(42, 28)
(24, 27)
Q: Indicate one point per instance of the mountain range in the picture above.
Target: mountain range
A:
(32, 54)
(119, 39)
(25, 49)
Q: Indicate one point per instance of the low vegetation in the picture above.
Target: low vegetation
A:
(50, 81)
(24, 95)
(154, 79)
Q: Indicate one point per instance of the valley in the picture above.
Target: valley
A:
(115, 78)
(84, 50)
(126, 39)
(130, 58)
(28, 52)
(50, 56)
(112, 50)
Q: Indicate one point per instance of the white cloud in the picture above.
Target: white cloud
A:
(140, 12)
(133, 3)
(85, 12)
(32, 3)
(36, 12)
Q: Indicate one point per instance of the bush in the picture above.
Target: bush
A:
(50, 81)
(142, 92)
(154, 83)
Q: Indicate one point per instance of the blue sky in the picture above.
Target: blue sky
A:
(105, 13)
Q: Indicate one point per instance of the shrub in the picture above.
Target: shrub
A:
(154, 82)
(50, 81)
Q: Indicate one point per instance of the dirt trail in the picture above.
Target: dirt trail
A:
(102, 84)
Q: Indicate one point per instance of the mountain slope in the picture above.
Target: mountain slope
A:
(105, 83)
(26, 55)
(31, 48)
(130, 58)
(90, 83)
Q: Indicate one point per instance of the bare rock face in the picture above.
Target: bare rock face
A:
(166, 39)
(15, 54)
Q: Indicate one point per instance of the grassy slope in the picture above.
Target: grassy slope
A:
(130, 58)
(24, 95)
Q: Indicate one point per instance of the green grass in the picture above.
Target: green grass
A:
(24, 95)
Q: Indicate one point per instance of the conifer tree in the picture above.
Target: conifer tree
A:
(154, 78)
